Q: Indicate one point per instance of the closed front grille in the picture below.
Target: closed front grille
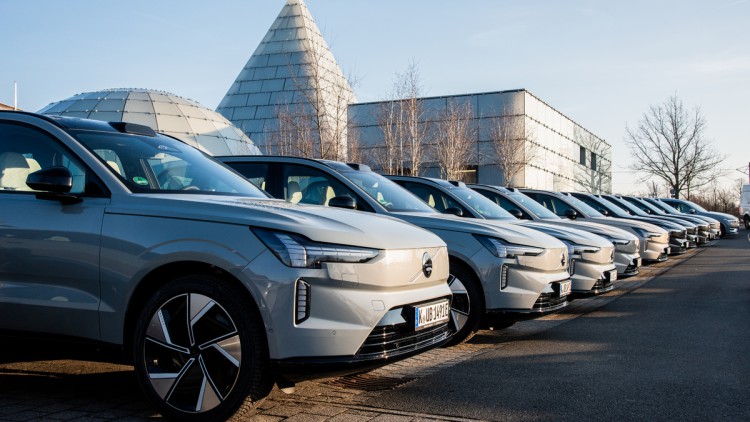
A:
(602, 285)
(393, 340)
(550, 300)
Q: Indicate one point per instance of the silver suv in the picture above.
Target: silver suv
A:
(591, 257)
(627, 258)
(499, 269)
(112, 233)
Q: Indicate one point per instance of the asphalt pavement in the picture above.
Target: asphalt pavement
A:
(674, 349)
(668, 344)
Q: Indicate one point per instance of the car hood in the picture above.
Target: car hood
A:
(511, 232)
(667, 225)
(718, 215)
(570, 234)
(628, 223)
(595, 228)
(321, 224)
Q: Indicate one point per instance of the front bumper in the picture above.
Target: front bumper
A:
(592, 278)
(347, 303)
(653, 251)
(678, 245)
(627, 264)
(385, 344)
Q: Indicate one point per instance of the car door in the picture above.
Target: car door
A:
(49, 251)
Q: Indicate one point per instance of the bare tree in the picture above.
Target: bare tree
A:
(669, 144)
(715, 198)
(355, 152)
(405, 132)
(514, 145)
(313, 122)
(595, 174)
(455, 143)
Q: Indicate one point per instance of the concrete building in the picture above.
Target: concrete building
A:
(292, 98)
(564, 155)
(5, 107)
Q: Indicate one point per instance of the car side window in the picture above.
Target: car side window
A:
(508, 205)
(256, 173)
(25, 150)
(307, 185)
(560, 207)
(433, 197)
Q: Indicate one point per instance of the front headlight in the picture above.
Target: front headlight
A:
(297, 251)
(620, 242)
(502, 249)
(645, 233)
(575, 249)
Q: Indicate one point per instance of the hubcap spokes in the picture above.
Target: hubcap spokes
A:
(461, 305)
(192, 353)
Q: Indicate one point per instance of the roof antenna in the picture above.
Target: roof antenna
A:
(15, 96)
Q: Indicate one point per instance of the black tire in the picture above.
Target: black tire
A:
(467, 306)
(747, 222)
(723, 231)
(199, 353)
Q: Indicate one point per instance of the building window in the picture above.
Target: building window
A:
(593, 161)
(582, 156)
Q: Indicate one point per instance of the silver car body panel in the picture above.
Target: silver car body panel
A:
(529, 276)
(72, 269)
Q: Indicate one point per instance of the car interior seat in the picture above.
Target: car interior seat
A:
(14, 169)
(293, 192)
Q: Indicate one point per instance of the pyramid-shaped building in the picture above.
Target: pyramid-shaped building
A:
(291, 97)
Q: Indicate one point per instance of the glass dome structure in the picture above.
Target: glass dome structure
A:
(164, 112)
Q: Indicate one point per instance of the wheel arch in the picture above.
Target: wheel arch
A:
(159, 277)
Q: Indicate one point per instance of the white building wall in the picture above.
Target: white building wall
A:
(556, 165)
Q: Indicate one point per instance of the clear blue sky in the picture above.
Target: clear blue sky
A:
(602, 63)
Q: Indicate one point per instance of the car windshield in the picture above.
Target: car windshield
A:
(162, 164)
(662, 206)
(584, 207)
(532, 206)
(615, 209)
(388, 194)
(627, 206)
(481, 204)
(696, 206)
(654, 209)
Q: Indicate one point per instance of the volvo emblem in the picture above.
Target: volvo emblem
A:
(426, 265)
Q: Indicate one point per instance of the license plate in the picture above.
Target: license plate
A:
(565, 288)
(611, 275)
(431, 314)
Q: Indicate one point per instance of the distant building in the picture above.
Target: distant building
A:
(6, 107)
(292, 94)
(291, 88)
(162, 111)
(566, 156)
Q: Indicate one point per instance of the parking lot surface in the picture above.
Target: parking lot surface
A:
(668, 344)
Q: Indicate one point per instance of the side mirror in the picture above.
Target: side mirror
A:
(51, 179)
(515, 212)
(692, 211)
(454, 211)
(571, 214)
(648, 211)
(603, 211)
(343, 201)
(54, 183)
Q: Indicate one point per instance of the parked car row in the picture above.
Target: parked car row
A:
(215, 288)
